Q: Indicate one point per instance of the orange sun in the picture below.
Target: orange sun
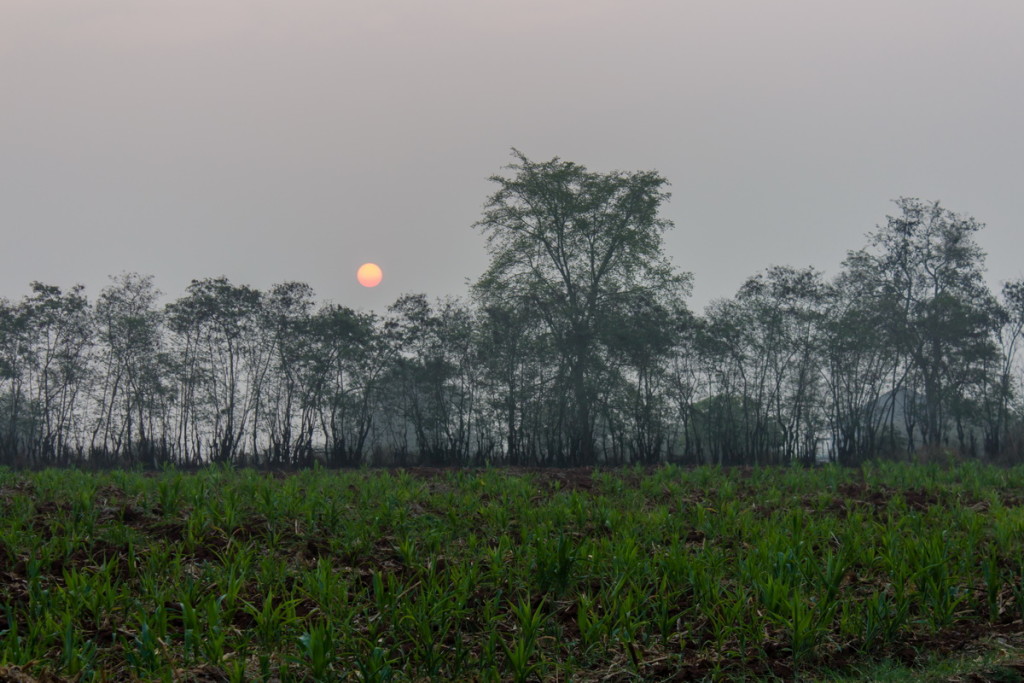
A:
(369, 275)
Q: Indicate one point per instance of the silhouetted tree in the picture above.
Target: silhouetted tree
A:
(223, 358)
(58, 333)
(925, 271)
(128, 372)
(572, 248)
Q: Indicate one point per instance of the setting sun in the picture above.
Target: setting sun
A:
(369, 275)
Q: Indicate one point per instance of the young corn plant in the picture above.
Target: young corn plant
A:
(192, 633)
(807, 625)
(169, 494)
(78, 656)
(214, 640)
(806, 620)
(375, 666)
(1018, 591)
(994, 581)
(667, 617)
(316, 647)
(519, 654)
(940, 592)
(624, 623)
(428, 620)
(589, 622)
(143, 653)
(272, 620)
(883, 620)
(12, 645)
(554, 561)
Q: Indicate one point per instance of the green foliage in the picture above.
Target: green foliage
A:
(491, 575)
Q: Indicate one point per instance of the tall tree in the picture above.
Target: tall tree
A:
(780, 309)
(926, 271)
(350, 357)
(16, 409)
(60, 332)
(996, 396)
(129, 336)
(435, 375)
(861, 365)
(575, 248)
(286, 317)
(224, 359)
(508, 347)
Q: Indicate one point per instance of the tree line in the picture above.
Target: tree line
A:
(575, 347)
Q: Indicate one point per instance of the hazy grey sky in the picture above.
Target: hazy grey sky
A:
(272, 141)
